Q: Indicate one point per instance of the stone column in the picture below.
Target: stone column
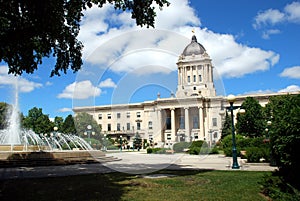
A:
(159, 131)
(187, 124)
(201, 122)
(173, 130)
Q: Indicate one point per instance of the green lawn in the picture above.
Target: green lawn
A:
(183, 185)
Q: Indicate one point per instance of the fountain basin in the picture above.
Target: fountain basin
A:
(46, 158)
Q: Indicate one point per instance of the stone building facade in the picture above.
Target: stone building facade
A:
(195, 113)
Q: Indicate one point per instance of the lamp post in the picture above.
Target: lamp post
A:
(231, 99)
(88, 133)
(121, 142)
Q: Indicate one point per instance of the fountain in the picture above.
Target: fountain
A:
(19, 145)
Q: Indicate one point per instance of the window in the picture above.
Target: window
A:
(181, 122)
(138, 114)
(99, 116)
(108, 116)
(108, 127)
(118, 127)
(138, 126)
(196, 122)
(196, 136)
(118, 115)
(128, 114)
(200, 78)
(214, 121)
(189, 79)
(215, 134)
(150, 125)
(168, 123)
(195, 88)
(194, 78)
(168, 136)
(128, 126)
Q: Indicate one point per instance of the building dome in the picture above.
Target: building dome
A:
(194, 48)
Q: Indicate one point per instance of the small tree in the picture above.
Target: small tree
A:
(226, 129)
(82, 120)
(68, 125)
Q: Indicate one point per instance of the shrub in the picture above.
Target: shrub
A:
(253, 154)
(157, 150)
(194, 150)
(180, 146)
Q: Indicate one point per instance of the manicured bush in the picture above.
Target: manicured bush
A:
(157, 150)
(253, 154)
(194, 150)
(180, 146)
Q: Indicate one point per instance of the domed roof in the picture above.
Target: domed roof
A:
(193, 48)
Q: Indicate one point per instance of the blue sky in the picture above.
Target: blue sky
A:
(254, 46)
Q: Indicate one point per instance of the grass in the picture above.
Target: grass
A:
(183, 185)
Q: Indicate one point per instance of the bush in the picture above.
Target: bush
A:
(180, 146)
(277, 188)
(157, 150)
(194, 150)
(253, 154)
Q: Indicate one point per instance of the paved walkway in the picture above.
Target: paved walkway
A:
(134, 163)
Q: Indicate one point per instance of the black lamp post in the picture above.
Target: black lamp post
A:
(231, 99)
(88, 133)
(121, 143)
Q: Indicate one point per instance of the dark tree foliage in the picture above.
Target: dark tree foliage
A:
(68, 125)
(285, 136)
(252, 123)
(38, 121)
(226, 128)
(82, 120)
(3, 113)
(33, 29)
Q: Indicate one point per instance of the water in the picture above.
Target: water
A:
(14, 136)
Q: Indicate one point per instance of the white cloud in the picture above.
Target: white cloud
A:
(293, 12)
(48, 83)
(292, 72)
(266, 34)
(80, 90)
(107, 83)
(24, 85)
(272, 17)
(65, 109)
(291, 88)
(113, 42)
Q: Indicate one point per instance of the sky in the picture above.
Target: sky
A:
(254, 46)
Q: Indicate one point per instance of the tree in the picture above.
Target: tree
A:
(226, 129)
(285, 136)
(33, 29)
(82, 120)
(252, 123)
(37, 121)
(58, 122)
(68, 125)
(3, 113)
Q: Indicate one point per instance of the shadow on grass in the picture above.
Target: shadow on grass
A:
(109, 186)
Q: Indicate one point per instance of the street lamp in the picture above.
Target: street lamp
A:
(121, 142)
(231, 99)
(88, 132)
